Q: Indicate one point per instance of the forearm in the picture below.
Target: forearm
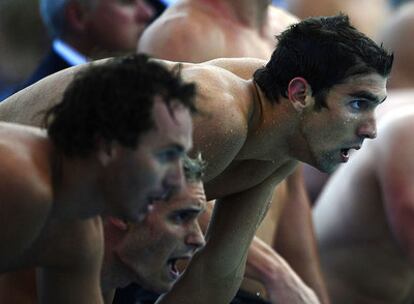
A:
(295, 239)
(204, 283)
(215, 272)
(281, 282)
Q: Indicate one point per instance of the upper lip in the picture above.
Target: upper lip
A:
(355, 147)
(181, 257)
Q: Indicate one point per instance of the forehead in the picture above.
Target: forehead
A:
(371, 83)
(170, 117)
(191, 196)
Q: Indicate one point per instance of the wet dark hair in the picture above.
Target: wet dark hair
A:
(113, 102)
(323, 50)
(194, 168)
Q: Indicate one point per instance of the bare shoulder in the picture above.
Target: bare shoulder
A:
(225, 103)
(242, 67)
(28, 105)
(180, 34)
(280, 19)
(25, 202)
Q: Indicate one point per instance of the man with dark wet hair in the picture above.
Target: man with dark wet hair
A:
(252, 138)
(114, 143)
(364, 215)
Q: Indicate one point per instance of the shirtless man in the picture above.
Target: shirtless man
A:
(364, 216)
(170, 232)
(148, 253)
(98, 157)
(303, 105)
(397, 35)
(369, 24)
(201, 30)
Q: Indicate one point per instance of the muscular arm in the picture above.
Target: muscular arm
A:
(295, 237)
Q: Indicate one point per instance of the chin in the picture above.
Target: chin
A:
(327, 167)
(159, 288)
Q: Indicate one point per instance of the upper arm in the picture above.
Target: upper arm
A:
(396, 178)
(220, 128)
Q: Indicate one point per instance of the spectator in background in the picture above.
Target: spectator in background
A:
(89, 29)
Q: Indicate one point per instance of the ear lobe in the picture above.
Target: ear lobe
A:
(299, 93)
(76, 16)
(106, 152)
(118, 223)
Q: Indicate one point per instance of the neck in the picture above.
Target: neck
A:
(250, 13)
(76, 187)
(271, 126)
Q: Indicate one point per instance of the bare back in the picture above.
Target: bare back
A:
(183, 26)
(364, 216)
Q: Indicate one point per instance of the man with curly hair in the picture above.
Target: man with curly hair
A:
(113, 144)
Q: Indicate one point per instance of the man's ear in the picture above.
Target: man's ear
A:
(118, 223)
(106, 151)
(300, 93)
(76, 16)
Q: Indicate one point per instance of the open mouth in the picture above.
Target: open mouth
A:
(172, 265)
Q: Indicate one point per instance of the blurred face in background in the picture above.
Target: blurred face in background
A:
(116, 25)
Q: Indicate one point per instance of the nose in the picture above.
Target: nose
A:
(195, 238)
(144, 11)
(368, 129)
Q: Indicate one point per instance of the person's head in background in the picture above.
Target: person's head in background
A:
(397, 35)
(146, 253)
(97, 26)
(368, 23)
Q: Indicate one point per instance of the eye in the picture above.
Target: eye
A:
(182, 217)
(359, 104)
(169, 155)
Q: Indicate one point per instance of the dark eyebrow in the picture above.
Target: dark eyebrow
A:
(368, 96)
(194, 211)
